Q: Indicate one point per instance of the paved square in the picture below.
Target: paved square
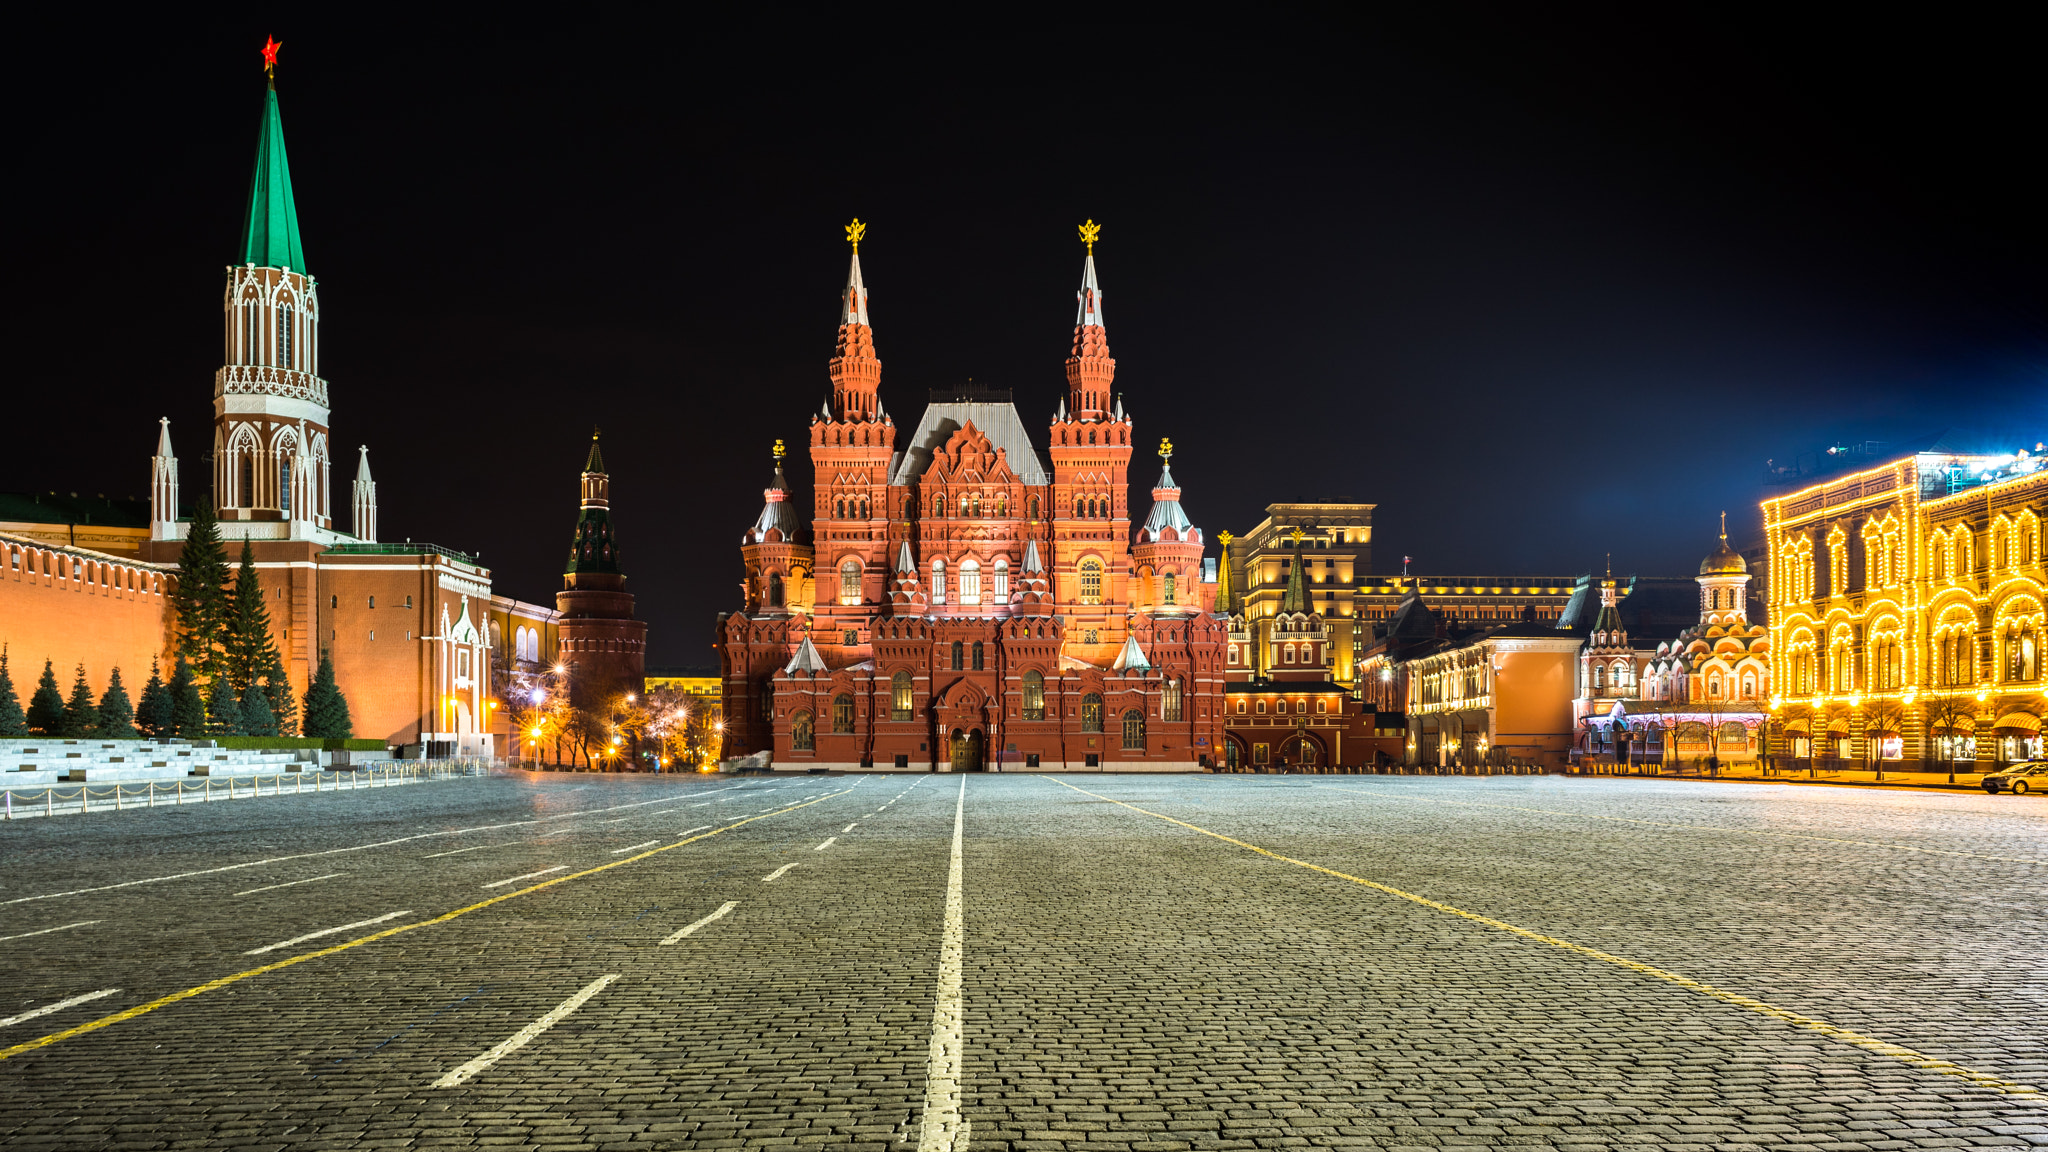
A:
(1365, 962)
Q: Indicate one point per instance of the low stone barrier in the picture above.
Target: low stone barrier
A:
(19, 803)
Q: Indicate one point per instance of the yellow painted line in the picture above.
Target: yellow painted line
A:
(1688, 827)
(1867, 1043)
(224, 981)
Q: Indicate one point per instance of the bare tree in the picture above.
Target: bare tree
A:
(1881, 717)
(1951, 712)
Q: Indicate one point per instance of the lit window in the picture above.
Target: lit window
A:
(1134, 730)
(970, 582)
(842, 713)
(849, 581)
(1091, 581)
(904, 703)
(1034, 696)
(938, 581)
(1091, 712)
(801, 736)
(1169, 701)
(1002, 588)
(1169, 588)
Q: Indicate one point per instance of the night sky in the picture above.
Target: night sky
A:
(1543, 286)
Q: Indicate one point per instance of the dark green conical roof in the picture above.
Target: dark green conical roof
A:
(594, 549)
(270, 235)
(596, 461)
(1296, 597)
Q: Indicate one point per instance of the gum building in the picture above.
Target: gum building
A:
(963, 594)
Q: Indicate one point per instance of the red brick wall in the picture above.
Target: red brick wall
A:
(81, 615)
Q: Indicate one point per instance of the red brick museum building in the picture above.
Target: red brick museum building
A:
(965, 597)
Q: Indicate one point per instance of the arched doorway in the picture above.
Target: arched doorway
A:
(1301, 751)
(967, 750)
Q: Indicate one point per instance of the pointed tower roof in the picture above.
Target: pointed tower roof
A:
(1166, 509)
(163, 438)
(363, 464)
(1132, 658)
(270, 231)
(596, 461)
(1089, 295)
(1296, 597)
(1224, 598)
(853, 301)
(776, 511)
(1031, 560)
(903, 561)
(594, 550)
(806, 659)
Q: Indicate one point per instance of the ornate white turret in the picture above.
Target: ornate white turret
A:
(364, 504)
(163, 487)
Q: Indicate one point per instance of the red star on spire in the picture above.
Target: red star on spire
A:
(270, 48)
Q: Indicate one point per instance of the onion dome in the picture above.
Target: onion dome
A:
(1724, 561)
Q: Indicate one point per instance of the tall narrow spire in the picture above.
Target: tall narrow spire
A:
(597, 484)
(1295, 599)
(1090, 370)
(364, 502)
(856, 371)
(163, 487)
(594, 549)
(270, 230)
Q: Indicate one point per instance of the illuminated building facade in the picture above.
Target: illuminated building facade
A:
(1906, 612)
(955, 599)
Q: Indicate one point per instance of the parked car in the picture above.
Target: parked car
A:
(2019, 778)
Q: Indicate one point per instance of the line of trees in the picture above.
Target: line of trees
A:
(229, 679)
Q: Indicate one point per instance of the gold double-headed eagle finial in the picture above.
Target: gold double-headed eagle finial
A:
(1225, 538)
(1297, 536)
(1165, 449)
(1089, 232)
(780, 452)
(854, 232)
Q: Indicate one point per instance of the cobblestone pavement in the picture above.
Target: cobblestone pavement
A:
(1507, 962)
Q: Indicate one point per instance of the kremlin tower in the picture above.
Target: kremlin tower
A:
(604, 647)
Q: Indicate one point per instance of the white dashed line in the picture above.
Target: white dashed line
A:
(291, 884)
(58, 928)
(522, 1037)
(634, 848)
(694, 831)
(715, 916)
(848, 828)
(528, 876)
(944, 1129)
(327, 932)
(60, 1005)
(777, 872)
(829, 841)
(477, 848)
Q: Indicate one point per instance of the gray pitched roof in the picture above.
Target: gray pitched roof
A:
(998, 422)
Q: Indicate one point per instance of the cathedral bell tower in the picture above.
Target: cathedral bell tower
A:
(852, 441)
(1090, 446)
(270, 414)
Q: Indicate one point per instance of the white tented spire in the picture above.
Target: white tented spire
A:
(163, 487)
(363, 506)
(903, 561)
(853, 303)
(806, 659)
(1118, 414)
(1132, 658)
(1090, 296)
(1031, 561)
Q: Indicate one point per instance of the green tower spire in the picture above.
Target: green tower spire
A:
(270, 237)
(1295, 599)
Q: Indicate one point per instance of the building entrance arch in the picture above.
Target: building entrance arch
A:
(966, 749)
(1302, 750)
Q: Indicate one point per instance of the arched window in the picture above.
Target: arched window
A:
(1034, 696)
(938, 581)
(1091, 436)
(839, 508)
(801, 735)
(963, 505)
(904, 701)
(1002, 588)
(970, 582)
(1034, 507)
(849, 581)
(1749, 686)
(1169, 701)
(1091, 581)
(284, 337)
(842, 713)
(1169, 598)
(775, 590)
(245, 479)
(959, 655)
(1091, 712)
(1134, 729)
(977, 656)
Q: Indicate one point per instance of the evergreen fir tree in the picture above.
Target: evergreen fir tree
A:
(326, 710)
(154, 711)
(256, 714)
(13, 722)
(80, 717)
(188, 711)
(223, 710)
(277, 691)
(46, 707)
(248, 649)
(201, 598)
(117, 715)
